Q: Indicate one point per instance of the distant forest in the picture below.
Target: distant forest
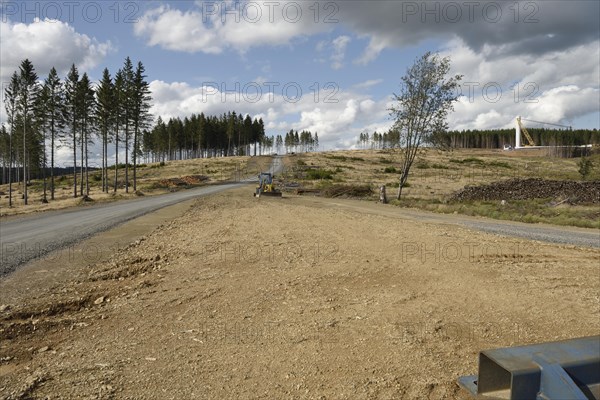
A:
(497, 138)
(230, 134)
(488, 139)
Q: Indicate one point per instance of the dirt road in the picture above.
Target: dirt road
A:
(287, 298)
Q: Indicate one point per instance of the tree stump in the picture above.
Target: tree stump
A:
(382, 195)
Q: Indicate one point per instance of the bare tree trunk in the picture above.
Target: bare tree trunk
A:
(10, 168)
(82, 162)
(106, 163)
(52, 168)
(126, 159)
(103, 165)
(45, 199)
(87, 172)
(403, 180)
(74, 164)
(135, 134)
(116, 161)
(25, 160)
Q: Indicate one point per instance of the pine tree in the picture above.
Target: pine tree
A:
(72, 116)
(87, 105)
(42, 123)
(141, 113)
(10, 103)
(54, 106)
(105, 119)
(28, 91)
(127, 104)
(118, 99)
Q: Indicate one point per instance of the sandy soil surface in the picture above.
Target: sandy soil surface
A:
(295, 298)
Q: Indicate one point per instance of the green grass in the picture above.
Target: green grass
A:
(316, 174)
(468, 160)
(159, 165)
(500, 164)
(344, 158)
(422, 164)
(528, 211)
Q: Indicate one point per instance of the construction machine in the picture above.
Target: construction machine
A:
(521, 129)
(265, 186)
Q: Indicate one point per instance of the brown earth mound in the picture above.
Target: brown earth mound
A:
(184, 180)
(533, 188)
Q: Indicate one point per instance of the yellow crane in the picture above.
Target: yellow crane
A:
(524, 131)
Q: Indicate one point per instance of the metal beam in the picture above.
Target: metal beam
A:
(569, 369)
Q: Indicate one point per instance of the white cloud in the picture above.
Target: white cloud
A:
(368, 83)
(376, 46)
(48, 43)
(209, 29)
(339, 51)
(548, 87)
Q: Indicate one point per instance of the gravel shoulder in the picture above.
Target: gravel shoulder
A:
(537, 232)
(237, 297)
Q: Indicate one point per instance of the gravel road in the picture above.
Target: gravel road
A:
(545, 233)
(25, 238)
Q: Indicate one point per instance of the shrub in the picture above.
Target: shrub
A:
(468, 160)
(316, 174)
(344, 158)
(439, 166)
(390, 170)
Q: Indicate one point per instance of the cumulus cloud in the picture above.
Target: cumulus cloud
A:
(212, 27)
(48, 43)
(549, 87)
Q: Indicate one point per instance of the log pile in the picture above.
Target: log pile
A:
(184, 181)
(532, 188)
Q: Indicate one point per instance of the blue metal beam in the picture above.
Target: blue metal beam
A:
(568, 369)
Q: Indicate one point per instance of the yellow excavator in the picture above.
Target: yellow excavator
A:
(266, 187)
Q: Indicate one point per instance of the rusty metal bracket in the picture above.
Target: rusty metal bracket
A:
(568, 369)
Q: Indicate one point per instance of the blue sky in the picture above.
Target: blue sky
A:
(192, 50)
